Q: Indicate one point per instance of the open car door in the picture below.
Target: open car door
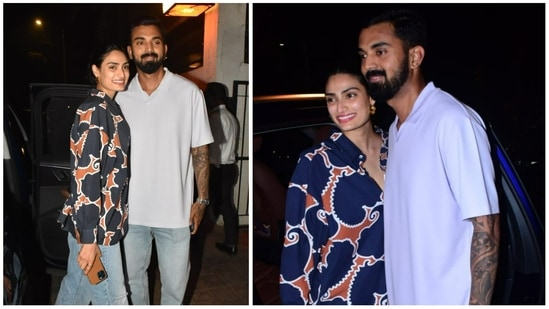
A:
(521, 267)
(53, 107)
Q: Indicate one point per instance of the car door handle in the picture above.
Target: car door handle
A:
(61, 175)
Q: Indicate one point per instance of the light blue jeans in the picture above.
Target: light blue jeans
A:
(172, 247)
(76, 289)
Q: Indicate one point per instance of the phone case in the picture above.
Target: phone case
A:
(97, 272)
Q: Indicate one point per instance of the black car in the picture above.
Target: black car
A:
(53, 108)
(16, 206)
(36, 171)
(287, 124)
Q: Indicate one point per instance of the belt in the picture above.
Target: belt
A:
(229, 164)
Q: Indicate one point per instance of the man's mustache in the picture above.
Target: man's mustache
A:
(149, 55)
(375, 73)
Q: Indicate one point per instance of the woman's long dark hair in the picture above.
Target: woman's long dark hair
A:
(98, 56)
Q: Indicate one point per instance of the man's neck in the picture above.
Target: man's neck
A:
(150, 82)
(403, 102)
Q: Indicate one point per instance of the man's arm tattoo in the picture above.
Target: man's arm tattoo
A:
(201, 165)
(484, 258)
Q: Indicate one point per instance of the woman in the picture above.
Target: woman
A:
(96, 211)
(333, 246)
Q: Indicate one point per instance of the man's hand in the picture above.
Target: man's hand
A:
(197, 214)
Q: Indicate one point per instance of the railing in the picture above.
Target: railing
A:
(238, 104)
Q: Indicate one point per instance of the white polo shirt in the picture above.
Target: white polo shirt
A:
(439, 174)
(164, 127)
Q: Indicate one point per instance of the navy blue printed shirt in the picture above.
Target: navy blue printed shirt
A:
(97, 208)
(333, 247)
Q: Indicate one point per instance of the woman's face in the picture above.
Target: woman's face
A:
(113, 74)
(347, 102)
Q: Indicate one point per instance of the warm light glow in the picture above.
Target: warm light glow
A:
(290, 97)
(187, 9)
(38, 22)
(195, 65)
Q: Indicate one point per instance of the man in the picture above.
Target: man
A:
(441, 205)
(223, 169)
(170, 136)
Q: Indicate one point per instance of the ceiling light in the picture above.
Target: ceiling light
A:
(187, 9)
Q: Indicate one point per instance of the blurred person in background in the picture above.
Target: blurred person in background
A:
(223, 169)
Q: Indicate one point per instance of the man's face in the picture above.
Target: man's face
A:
(386, 88)
(383, 61)
(147, 48)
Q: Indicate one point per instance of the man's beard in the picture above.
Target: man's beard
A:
(149, 67)
(384, 91)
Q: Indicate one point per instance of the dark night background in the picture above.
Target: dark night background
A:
(490, 56)
(34, 54)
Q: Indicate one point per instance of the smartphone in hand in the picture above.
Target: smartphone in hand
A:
(97, 272)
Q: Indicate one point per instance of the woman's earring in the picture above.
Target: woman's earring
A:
(372, 110)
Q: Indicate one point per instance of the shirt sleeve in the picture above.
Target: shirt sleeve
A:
(88, 138)
(219, 138)
(467, 160)
(201, 131)
(303, 238)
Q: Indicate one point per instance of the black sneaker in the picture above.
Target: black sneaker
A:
(231, 250)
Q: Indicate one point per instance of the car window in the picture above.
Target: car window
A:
(57, 118)
(280, 149)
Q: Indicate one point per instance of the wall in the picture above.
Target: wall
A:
(224, 47)
(224, 44)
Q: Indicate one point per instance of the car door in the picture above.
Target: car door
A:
(53, 108)
(521, 269)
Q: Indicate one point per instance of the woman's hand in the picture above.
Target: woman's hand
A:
(86, 256)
